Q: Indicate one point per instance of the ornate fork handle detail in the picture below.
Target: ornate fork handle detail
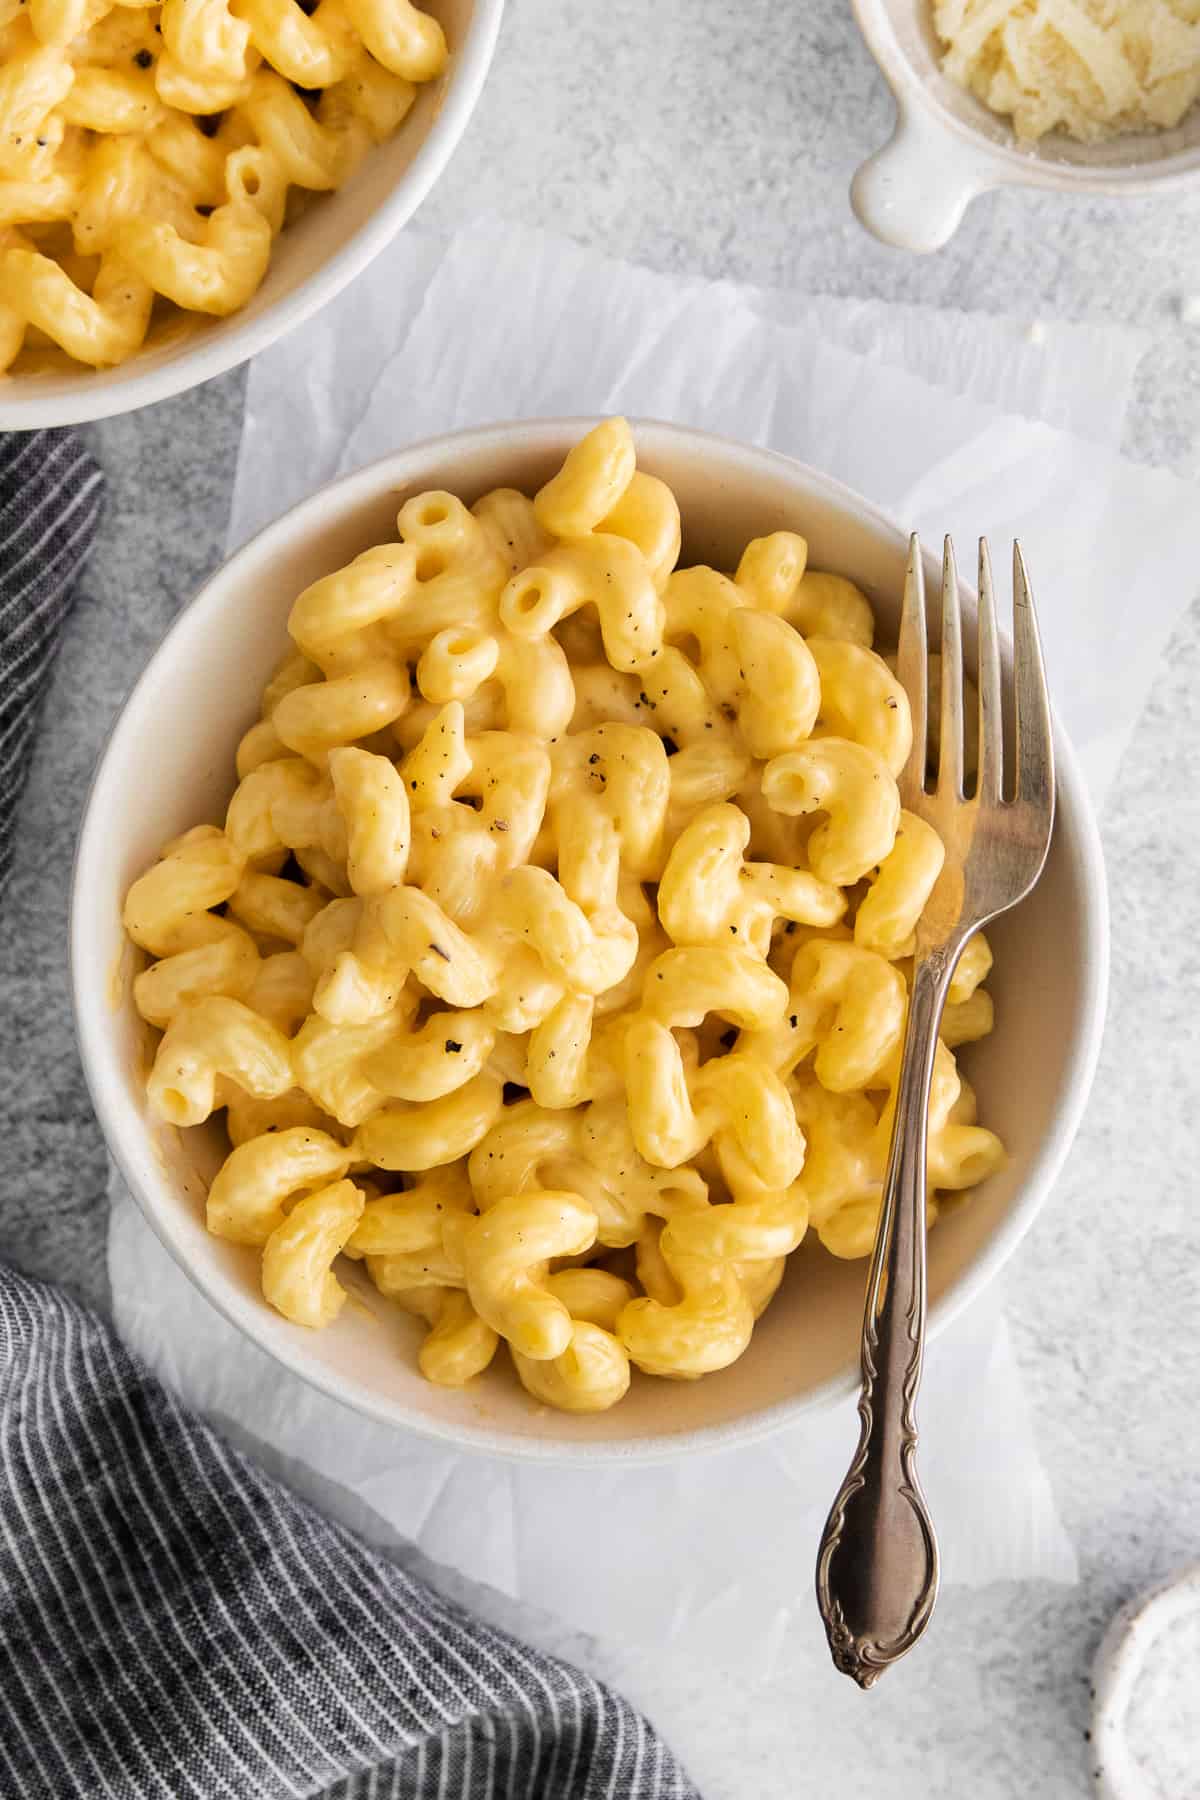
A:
(877, 1571)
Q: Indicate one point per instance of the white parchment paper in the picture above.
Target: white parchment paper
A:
(953, 423)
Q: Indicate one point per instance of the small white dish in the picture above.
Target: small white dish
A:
(314, 259)
(947, 147)
(1160, 1627)
(169, 763)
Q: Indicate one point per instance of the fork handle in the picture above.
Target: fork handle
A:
(877, 1570)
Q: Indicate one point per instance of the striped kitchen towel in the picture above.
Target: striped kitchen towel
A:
(174, 1625)
(50, 497)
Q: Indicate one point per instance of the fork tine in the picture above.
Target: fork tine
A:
(912, 668)
(990, 783)
(950, 744)
(1035, 745)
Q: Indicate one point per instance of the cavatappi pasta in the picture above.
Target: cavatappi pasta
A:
(553, 955)
(150, 154)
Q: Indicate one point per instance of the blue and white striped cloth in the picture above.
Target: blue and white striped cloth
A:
(174, 1625)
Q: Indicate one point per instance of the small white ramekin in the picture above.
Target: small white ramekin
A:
(948, 148)
(311, 261)
(169, 764)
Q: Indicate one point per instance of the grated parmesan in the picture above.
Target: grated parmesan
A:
(1089, 68)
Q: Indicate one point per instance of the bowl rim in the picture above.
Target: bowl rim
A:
(122, 1127)
(1004, 163)
(96, 396)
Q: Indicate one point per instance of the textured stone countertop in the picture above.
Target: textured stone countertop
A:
(715, 139)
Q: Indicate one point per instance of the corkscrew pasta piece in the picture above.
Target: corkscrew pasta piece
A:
(973, 967)
(709, 893)
(246, 1200)
(216, 1038)
(617, 778)
(592, 1373)
(330, 1063)
(852, 786)
(563, 911)
(409, 1136)
(961, 1153)
(966, 1021)
(706, 1329)
(862, 700)
(228, 964)
(269, 907)
(370, 796)
(400, 36)
(750, 660)
(590, 1151)
(298, 1257)
(458, 1345)
(674, 1113)
(886, 920)
(281, 989)
(604, 571)
(506, 1255)
(830, 607)
(509, 519)
(411, 1223)
(845, 1004)
(592, 481)
(99, 106)
(842, 1179)
(771, 570)
(647, 513)
(165, 909)
(247, 1117)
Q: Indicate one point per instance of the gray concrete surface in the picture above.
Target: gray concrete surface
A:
(717, 139)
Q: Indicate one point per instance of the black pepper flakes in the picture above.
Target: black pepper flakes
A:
(143, 59)
(452, 1047)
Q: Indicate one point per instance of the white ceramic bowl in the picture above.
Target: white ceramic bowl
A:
(312, 261)
(948, 147)
(169, 764)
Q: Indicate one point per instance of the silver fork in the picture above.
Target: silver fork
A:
(877, 1570)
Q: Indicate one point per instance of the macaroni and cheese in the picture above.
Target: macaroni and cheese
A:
(150, 154)
(552, 959)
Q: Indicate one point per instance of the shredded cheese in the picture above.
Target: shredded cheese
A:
(1089, 68)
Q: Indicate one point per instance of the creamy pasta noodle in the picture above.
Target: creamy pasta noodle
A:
(150, 154)
(553, 955)
(1089, 68)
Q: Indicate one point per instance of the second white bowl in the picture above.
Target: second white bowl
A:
(311, 261)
